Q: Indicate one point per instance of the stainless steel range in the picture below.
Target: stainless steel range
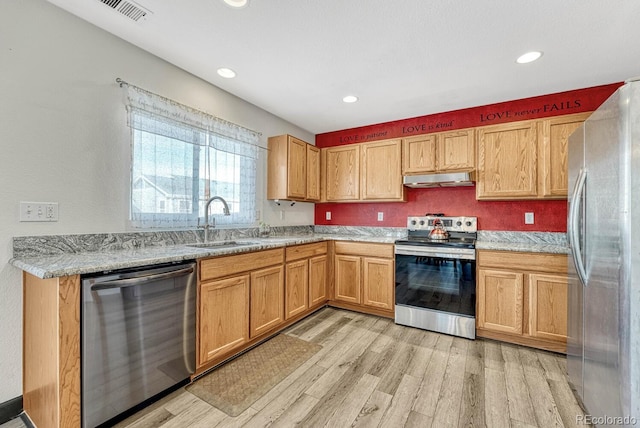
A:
(436, 275)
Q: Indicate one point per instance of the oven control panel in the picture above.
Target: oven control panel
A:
(451, 224)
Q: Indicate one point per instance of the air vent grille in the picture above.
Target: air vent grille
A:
(127, 8)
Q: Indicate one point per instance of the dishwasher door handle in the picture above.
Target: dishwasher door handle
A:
(130, 282)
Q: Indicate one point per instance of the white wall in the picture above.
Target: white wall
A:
(63, 138)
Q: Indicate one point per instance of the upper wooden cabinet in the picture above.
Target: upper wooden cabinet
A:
(507, 161)
(363, 172)
(342, 173)
(381, 171)
(525, 160)
(442, 152)
(293, 169)
(553, 136)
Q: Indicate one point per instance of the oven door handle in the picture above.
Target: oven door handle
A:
(412, 251)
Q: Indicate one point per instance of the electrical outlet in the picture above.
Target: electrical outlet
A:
(38, 211)
(380, 216)
(327, 215)
(528, 218)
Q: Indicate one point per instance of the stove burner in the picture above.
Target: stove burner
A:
(435, 215)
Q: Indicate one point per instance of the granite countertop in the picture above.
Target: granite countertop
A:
(51, 266)
(530, 242)
(525, 247)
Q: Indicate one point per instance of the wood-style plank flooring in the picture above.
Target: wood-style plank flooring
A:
(371, 372)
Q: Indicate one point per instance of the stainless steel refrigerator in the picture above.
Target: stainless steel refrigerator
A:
(603, 226)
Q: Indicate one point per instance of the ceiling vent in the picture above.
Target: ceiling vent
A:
(127, 8)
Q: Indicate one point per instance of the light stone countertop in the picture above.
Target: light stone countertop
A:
(51, 266)
(525, 247)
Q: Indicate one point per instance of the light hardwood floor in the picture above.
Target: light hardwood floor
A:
(371, 372)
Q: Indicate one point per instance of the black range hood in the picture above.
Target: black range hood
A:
(451, 179)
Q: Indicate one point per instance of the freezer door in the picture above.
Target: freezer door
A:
(602, 250)
(575, 231)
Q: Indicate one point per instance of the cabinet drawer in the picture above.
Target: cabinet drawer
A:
(535, 262)
(364, 249)
(219, 267)
(305, 251)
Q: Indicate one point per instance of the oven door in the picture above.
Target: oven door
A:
(436, 289)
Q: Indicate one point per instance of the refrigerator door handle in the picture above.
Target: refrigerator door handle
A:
(574, 238)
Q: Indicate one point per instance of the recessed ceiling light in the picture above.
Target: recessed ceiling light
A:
(237, 3)
(529, 57)
(227, 73)
(350, 99)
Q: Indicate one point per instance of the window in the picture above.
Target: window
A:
(182, 157)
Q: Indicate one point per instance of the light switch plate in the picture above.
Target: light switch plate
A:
(39, 211)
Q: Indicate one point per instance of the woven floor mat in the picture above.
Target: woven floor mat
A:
(236, 385)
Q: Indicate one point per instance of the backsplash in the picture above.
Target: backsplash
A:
(25, 246)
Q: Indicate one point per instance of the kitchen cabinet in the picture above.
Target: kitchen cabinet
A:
(553, 146)
(522, 298)
(365, 172)
(364, 277)
(525, 160)
(342, 173)
(267, 300)
(240, 297)
(224, 316)
(293, 169)
(441, 152)
(306, 278)
(381, 169)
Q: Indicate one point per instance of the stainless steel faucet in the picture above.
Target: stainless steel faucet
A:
(206, 224)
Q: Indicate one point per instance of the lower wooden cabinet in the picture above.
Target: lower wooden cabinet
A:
(522, 298)
(267, 300)
(306, 278)
(224, 316)
(364, 276)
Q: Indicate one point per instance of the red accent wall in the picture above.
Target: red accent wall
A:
(550, 216)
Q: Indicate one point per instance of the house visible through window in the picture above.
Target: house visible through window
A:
(177, 165)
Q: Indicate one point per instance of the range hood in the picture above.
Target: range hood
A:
(452, 179)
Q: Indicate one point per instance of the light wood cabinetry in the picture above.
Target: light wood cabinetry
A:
(293, 169)
(364, 277)
(522, 298)
(365, 172)
(441, 152)
(381, 170)
(553, 147)
(51, 350)
(306, 278)
(267, 300)
(342, 173)
(525, 160)
(240, 298)
(224, 316)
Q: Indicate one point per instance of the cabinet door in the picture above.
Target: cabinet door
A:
(419, 154)
(507, 161)
(342, 173)
(347, 278)
(378, 286)
(297, 168)
(553, 144)
(548, 307)
(456, 151)
(223, 317)
(381, 169)
(317, 280)
(313, 173)
(267, 300)
(500, 300)
(297, 288)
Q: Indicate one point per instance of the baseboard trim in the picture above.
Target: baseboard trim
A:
(10, 409)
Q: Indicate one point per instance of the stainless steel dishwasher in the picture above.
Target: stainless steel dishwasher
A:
(138, 337)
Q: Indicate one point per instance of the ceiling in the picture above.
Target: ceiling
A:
(403, 58)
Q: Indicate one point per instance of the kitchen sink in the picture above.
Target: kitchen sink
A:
(221, 244)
